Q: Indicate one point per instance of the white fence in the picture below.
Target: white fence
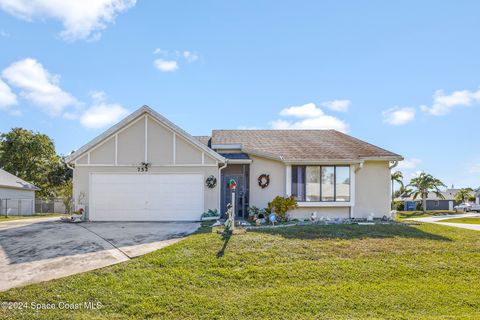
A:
(16, 207)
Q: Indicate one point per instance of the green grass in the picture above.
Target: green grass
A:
(36, 215)
(421, 214)
(424, 271)
(463, 220)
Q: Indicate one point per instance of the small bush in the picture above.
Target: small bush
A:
(280, 206)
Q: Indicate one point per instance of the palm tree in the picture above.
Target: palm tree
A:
(422, 185)
(463, 194)
(396, 177)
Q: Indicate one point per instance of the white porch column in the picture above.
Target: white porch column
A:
(288, 180)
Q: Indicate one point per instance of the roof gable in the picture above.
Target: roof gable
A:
(133, 117)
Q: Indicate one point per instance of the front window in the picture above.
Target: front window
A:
(321, 183)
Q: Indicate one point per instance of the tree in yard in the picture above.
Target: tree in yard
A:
(65, 191)
(396, 177)
(463, 195)
(32, 157)
(422, 185)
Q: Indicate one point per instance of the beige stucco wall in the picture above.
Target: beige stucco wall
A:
(303, 213)
(372, 190)
(160, 144)
(131, 143)
(370, 193)
(261, 197)
(81, 176)
(105, 154)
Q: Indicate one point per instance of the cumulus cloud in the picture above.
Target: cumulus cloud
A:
(7, 97)
(190, 56)
(39, 86)
(170, 60)
(409, 164)
(309, 116)
(443, 103)
(166, 65)
(397, 116)
(80, 19)
(101, 114)
(337, 105)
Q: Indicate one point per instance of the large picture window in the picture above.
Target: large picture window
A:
(321, 183)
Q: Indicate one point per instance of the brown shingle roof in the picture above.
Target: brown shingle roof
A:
(203, 139)
(301, 145)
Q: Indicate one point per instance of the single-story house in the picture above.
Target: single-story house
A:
(145, 168)
(433, 201)
(477, 197)
(17, 197)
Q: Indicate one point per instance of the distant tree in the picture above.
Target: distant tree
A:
(463, 195)
(65, 191)
(32, 157)
(396, 177)
(422, 185)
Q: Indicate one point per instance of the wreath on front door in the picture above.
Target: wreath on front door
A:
(211, 182)
(264, 180)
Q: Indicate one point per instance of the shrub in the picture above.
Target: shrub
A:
(399, 206)
(211, 213)
(280, 206)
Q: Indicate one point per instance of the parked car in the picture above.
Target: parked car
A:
(463, 207)
(467, 207)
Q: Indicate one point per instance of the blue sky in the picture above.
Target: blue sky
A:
(403, 76)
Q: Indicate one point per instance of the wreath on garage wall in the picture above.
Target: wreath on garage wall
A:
(264, 180)
(211, 182)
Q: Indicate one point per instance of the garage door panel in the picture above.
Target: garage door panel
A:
(146, 197)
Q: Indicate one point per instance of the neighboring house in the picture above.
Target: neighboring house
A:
(17, 197)
(477, 197)
(433, 202)
(146, 168)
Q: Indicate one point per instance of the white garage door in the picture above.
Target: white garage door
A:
(146, 197)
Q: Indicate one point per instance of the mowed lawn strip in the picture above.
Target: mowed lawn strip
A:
(324, 272)
(463, 220)
(34, 216)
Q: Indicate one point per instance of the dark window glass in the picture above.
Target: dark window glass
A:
(298, 182)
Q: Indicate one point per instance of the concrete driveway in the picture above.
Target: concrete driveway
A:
(438, 220)
(36, 250)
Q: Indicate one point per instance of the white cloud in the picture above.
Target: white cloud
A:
(80, 19)
(475, 168)
(4, 34)
(190, 56)
(311, 117)
(398, 116)
(7, 97)
(443, 103)
(39, 86)
(101, 114)
(409, 164)
(166, 65)
(337, 105)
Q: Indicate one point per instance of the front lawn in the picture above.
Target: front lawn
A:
(36, 215)
(462, 220)
(425, 271)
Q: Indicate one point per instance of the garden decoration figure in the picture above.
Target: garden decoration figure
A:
(229, 223)
(272, 217)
